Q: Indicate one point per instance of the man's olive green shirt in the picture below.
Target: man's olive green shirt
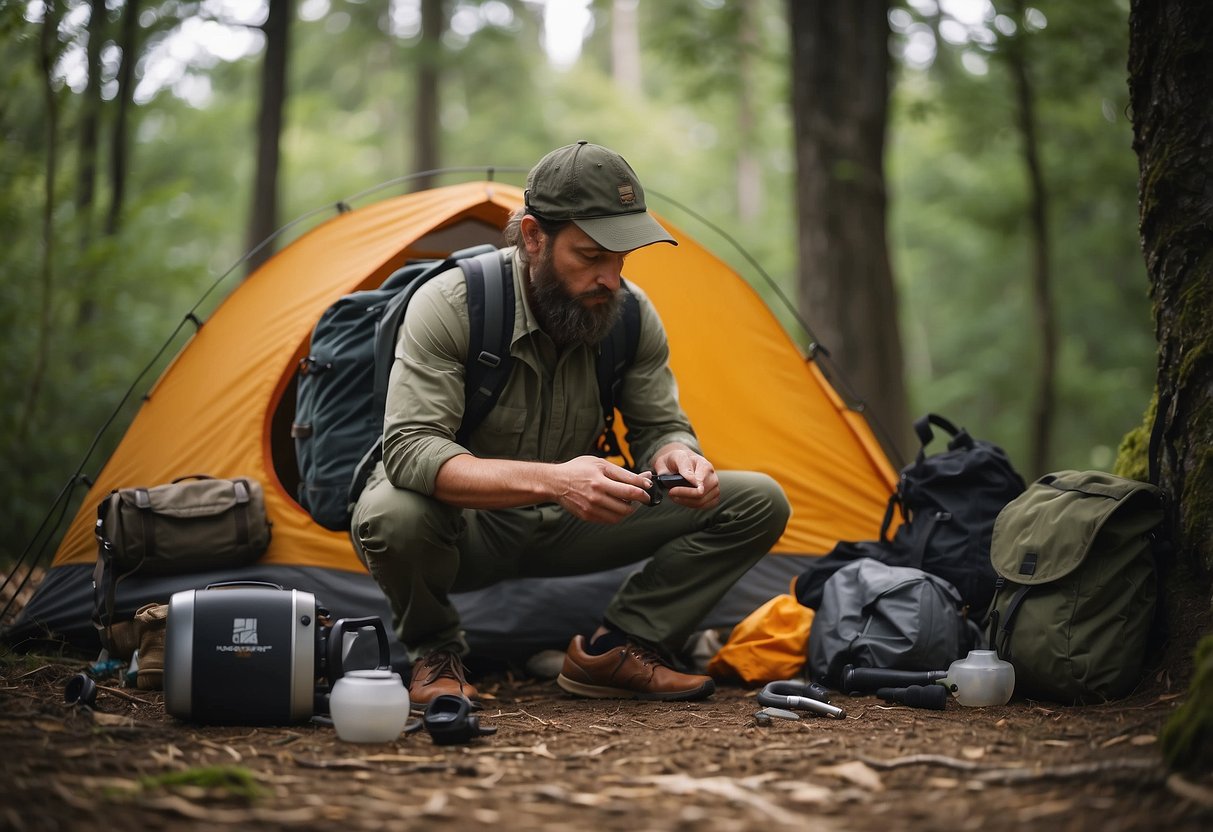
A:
(549, 410)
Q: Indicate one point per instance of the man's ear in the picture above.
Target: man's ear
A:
(532, 235)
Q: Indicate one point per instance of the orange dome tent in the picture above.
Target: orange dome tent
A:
(224, 406)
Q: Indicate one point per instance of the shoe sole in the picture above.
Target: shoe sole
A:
(417, 708)
(603, 692)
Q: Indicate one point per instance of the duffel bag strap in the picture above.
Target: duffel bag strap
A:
(143, 502)
(242, 503)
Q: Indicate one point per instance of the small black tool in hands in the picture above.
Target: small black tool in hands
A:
(663, 483)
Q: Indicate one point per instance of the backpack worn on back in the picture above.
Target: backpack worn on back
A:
(342, 382)
(1077, 585)
(890, 617)
(949, 501)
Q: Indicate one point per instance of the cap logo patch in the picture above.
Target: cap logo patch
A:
(627, 195)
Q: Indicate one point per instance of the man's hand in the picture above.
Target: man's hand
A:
(598, 491)
(704, 491)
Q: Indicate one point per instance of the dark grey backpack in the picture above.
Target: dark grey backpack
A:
(891, 617)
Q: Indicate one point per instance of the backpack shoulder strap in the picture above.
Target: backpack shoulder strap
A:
(617, 352)
(404, 282)
(490, 289)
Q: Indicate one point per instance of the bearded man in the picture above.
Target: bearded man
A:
(526, 495)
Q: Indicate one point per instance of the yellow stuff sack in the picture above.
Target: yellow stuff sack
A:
(769, 644)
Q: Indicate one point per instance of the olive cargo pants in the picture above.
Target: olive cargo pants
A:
(419, 549)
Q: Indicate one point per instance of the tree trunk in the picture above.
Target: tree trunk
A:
(1044, 401)
(1170, 66)
(48, 56)
(264, 218)
(425, 117)
(625, 46)
(749, 171)
(129, 42)
(86, 182)
(840, 87)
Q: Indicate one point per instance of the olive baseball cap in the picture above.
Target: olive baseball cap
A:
(598, 191)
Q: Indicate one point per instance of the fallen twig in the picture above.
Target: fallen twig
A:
(362, 765)
(532, 716)
(1177, 784)
(991, 774)
(121, 694)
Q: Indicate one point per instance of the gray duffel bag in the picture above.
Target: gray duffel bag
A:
(890, 617)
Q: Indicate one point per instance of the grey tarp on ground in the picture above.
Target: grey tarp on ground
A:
(512, 620)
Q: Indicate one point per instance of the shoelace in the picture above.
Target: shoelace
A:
(647, 655)
(444, 663)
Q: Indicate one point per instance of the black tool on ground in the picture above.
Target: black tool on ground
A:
(803, 696)
(663, 483)
(80, 690)
(868, 679)
(931, 697)
(449, 721)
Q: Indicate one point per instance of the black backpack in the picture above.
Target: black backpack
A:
(949, 501)
(342, 382)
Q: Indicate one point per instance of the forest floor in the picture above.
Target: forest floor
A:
(557, 762)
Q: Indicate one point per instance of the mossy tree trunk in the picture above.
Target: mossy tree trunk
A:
(1170, 74)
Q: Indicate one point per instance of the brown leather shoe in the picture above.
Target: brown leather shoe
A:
(438, 673)
(628, 672)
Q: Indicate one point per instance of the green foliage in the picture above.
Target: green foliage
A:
(225, 781)
(1187, 738)
(962, 250)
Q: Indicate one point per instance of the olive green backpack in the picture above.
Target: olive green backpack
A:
(1074, 604)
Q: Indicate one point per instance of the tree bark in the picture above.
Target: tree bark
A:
(129, 43)
(48, 55)
(749, 171)
(625, 46)
(840, 87)
(1170, 69)
(425, 117)
(1045, 399)
(86, 182)
(263, 220)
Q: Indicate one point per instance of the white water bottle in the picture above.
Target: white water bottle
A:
(369, 706)
(981, 679)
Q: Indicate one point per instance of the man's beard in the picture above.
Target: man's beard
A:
(565, 317)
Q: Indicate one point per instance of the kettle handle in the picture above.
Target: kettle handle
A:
(336, 639)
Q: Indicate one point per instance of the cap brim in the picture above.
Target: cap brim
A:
(625, 232)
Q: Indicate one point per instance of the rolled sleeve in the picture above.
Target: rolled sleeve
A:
(425, 396)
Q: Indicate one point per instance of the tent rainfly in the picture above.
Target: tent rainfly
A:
(224, 407)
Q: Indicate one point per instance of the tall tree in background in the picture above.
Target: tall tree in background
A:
(1170, 64)
(425, 114)
(840, 89)
(49, 52)
(1045, 399)
(749, 172)
(263, 220)
(128, 44)
(625, 45)
(90, 117)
